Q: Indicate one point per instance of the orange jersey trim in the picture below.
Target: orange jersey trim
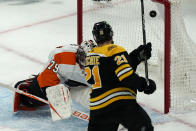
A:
(49, 76)
(65, 58)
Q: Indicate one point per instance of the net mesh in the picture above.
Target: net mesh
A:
(125, 18)
(183, 63)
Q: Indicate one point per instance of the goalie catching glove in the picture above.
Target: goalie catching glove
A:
(147, 89)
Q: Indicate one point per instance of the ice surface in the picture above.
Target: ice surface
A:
(29, 30)
(39, 120)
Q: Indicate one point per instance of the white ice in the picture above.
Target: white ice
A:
(29, 30)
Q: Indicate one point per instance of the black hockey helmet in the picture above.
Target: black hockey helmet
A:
(102, 32)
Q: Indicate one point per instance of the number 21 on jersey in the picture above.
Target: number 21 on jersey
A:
(94, 74)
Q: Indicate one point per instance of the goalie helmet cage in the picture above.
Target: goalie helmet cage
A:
(173, 52)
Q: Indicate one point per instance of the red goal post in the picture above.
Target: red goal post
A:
(173, 51)
(167, 44)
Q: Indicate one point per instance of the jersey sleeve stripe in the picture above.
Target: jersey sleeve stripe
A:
(121, 68)
(123, 71)
(125, 75)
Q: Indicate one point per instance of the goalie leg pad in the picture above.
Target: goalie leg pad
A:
(60, 99)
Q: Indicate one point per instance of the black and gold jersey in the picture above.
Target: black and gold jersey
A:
(112, 78)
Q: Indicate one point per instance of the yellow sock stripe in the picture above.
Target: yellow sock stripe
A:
(125, 75)
(111, 101)
(121, 68)
(110, 92)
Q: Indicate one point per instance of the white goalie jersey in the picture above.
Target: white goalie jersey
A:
(61, 66)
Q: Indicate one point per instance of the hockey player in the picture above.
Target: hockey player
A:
(64, 66)
(115, 84)
(57, 71)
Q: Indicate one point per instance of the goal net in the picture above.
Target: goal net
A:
(173, 61)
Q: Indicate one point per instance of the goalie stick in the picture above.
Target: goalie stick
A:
(76, 113)
(144, 39)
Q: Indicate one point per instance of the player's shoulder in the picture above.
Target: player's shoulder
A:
(65, 48)
(114, 48)
(109, 50)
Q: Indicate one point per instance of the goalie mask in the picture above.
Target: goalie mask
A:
(102, 32)
(83, 49)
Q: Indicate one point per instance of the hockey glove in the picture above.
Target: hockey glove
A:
(147, 89)
(144, 51)
(150, 88)
(138, 55)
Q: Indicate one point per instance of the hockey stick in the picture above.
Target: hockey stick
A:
(75, 113)
(144, 39)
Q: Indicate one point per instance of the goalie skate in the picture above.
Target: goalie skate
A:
(18, 106)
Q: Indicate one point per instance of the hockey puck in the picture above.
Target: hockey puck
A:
(153, 13)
